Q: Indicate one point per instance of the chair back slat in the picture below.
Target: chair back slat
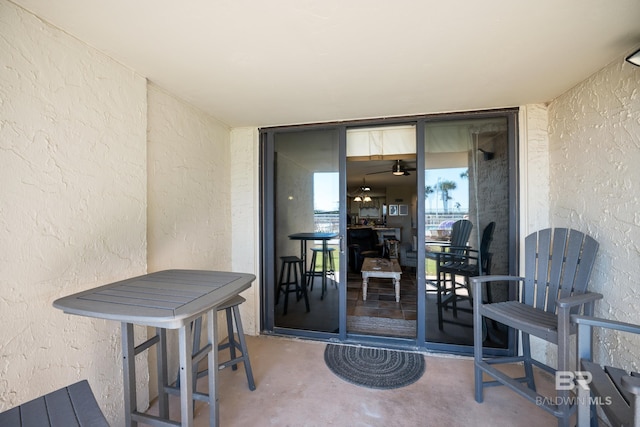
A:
(558, 264)
(541, 277)
(572, 259)
(587, 260)
(530, 265)
(460, 232)
(585, 265)
(563, 256)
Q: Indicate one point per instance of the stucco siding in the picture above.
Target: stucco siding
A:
(189, 186)
(594, 133)
(245, 219)
(72, 207)
(189, 196)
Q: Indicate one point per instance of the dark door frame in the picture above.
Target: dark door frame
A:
(267, 208)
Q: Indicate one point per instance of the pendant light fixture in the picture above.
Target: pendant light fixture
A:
(363, 196)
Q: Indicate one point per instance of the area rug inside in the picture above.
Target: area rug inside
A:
(374, 367)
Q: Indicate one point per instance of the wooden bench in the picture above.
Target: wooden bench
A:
(72, 406)
(614, 390)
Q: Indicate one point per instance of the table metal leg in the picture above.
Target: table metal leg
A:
(303, 257)
(129, 373)
(186, 374)
(212, 338)
(196, 330)
(161, 355)
(324, 268)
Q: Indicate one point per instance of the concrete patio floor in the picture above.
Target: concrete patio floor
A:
(295, 388)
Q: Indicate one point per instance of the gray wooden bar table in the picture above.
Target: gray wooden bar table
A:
(168, 299)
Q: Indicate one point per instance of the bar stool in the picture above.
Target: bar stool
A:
(232, 312)
(284, 284)
(328, 260)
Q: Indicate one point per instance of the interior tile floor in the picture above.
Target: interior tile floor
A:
(380, 315)
(295, 388)
(381, 298)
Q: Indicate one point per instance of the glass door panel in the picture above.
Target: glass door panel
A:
(466, 177)
(306, 229)
(382, 208)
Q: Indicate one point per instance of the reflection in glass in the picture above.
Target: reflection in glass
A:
(466, 178)
(307, 195)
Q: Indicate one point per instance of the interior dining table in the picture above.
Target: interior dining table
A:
(169, 299)
(304, 238)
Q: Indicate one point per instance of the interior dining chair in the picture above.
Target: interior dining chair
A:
(558, 264)
(363, 243)
(474, 262)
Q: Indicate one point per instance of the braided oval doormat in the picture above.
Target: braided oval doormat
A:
(374, 367)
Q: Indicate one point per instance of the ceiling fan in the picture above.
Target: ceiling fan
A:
(399, 168)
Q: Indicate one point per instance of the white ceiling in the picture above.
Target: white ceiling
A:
(260, 63)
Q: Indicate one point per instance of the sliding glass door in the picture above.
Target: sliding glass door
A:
(382, 206)
(395, 192)
(304, 250)
(466, 181)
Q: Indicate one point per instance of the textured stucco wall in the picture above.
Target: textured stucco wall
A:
(189, 195)
(72, 207)
(245, 219)
(534, 168)
(189, 176)
(533, 165)
(594, 133)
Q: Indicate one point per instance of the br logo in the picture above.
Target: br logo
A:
(568, 380)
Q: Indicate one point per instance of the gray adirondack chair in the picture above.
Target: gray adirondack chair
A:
(460, 232)
(72, 406)
(448, 255)
(615, 391)
(473, 262)
(558, 264)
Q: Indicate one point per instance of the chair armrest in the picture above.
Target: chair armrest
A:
(469, 255)
(461, 250)
(477, 281)
(456, 248)
(632, 384)
(606, 323)
(496, 278)
(575, 300)
(448, 256)
(585, 330)
(446, 249)
(565, 306)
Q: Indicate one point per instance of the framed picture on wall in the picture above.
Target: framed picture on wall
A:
(403, 210)
(393, 210)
